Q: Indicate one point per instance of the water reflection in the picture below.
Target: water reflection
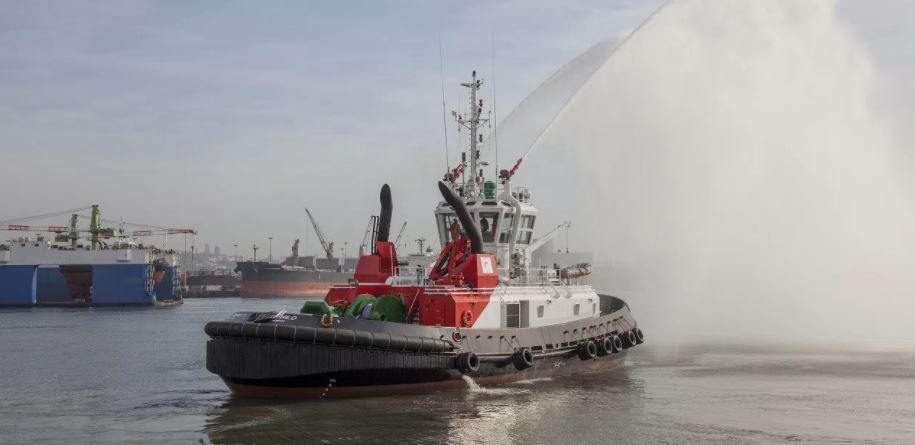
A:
(689, 396)
(526, 412)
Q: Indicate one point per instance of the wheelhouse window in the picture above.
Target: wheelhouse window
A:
(576, 309)
(507, 222)
(513, 315)
(447, 220)
(488, 226)
(526, 229)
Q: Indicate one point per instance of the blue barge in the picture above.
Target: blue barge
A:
(107, 269)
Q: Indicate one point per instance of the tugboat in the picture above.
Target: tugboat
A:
(480, 311)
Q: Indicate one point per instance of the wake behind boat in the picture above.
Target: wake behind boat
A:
(479, 310)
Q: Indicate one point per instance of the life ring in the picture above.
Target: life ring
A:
(467, 318)
(327, 320)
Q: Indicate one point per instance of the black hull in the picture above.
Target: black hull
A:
(260, 271)
(400, 381)
(297, 357)
(265, 280)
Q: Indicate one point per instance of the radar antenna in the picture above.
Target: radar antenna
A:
(472, 121)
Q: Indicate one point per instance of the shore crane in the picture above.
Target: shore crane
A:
(71, 233)
(328, 246)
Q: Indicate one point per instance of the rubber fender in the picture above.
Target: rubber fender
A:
(425, 345)
(587, 350)
(617, 343)
(212, 328)
(604, 346)
(382, 340)
(523, 359)
(345, 337)
(285, 332)
(467, 362)
(306, 334)
(326, 336)
(414, 344)
(364, 339)
(629, 339)
(639, 336)
(234, 330)
(250, 330)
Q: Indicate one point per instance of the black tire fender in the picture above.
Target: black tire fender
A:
(587, 350)
(605, 346)
(523, 359)
(467, 362)
(617, 343)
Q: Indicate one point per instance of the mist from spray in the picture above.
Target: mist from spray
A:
(735, 181)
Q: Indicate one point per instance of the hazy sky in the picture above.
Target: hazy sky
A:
(230, 117)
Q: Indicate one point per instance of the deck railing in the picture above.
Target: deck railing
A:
(543, 276)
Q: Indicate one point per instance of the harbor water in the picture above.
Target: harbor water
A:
(107, 375)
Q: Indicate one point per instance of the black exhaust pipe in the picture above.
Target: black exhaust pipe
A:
(384, 219)
(476, 240)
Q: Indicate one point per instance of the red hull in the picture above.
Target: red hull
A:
(285, 289)
(79, 281)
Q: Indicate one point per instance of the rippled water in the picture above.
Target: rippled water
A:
(137, 375)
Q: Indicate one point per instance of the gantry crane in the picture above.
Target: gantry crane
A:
(96, 231)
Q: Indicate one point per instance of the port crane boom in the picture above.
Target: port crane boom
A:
(95, 231)
(400, 234)
(328, 246)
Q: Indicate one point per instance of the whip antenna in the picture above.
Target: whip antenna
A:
(441, 60)
(495, 116)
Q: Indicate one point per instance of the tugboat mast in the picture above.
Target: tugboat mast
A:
(472, 121)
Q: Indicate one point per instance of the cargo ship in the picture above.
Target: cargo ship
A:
(297, 276)
(211, 283)
(307, 278)
(108, 268)
(480, 312)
